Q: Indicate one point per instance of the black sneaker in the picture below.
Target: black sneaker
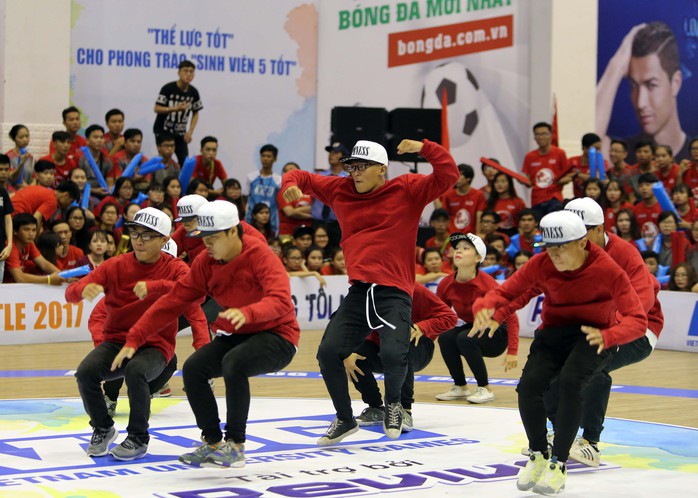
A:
(338, 430)
(393, 420)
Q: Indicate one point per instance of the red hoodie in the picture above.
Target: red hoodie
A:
(429, 312)
(379, 228)
(598, 294)
(118, 276)
(254, 282)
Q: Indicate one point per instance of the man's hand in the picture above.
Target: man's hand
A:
(5, 253)
(55, 279)
(182, 106)
(415, 334)
(123, 354)
(235, 316)
(140, 290)
(511, 361)
(187, 137)
(351, 368)
(321, 279)
(594, 337)
(483, 322)
(91, 291)
(409, 147)
(621, 59)
(292, 194)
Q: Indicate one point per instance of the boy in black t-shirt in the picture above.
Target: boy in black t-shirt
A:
(173, 106)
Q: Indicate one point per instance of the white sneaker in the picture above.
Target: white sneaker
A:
(525, 451)
(583, 452)
(482, 395)
(456, 392)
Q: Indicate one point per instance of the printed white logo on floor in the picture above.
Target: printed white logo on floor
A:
(42, 451)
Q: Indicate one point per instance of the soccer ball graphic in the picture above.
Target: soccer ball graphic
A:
(462, 96)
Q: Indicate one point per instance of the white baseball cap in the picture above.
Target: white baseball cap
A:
(152, 218)
(188, 206)
(367, 151)
(476, 241)
(215, 217)
(588, 210)
(560, 228)
(170, 248)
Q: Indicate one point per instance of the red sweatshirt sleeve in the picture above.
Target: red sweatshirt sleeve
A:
(426, 188)
(317, 186)
(199, 327)
(95, 324)
(512, 322)
(431, 314)
(275, 303)
(633, 319)
(73, 293)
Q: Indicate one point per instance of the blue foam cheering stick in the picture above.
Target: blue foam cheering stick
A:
(79, 271)
(592, 162)
(150, 168)
(663, 198)
(140, 198)
(600, 166)
(85, 202)
(131, 168)
(187, 171)
(119, 222)
(491, 269)
(95, 169)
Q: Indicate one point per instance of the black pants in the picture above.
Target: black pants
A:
(596, 393)
(348, 328)
(112, 387)
(562, 353)
(456, 343)
(547, 207)
(236, 358)
(145, 366)
(419, 357)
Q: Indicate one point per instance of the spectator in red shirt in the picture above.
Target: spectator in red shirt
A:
(584, 318)
(303, 237)
(547, 171)
(42, 202)
(430, 272)
(44, 173)
(489, 173)
(71, 121)
(114, 140)
(62, 163)
(293, 215)
(208, 168)
(580, 164)
(683, 278)
(123, 193)
(644, 154)
(620, 170)
(463, 203)
(439, 222)
(506, 203)
(614, 199)
(67, 256)
(647, 211)
(261, 220)
(338, 264)
(25, 264)
(683, 201)
(133, 139)
(173, 191)
(232, 192)
(667, 171)
(626, 225)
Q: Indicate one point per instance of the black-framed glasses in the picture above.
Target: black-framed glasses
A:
(350, 168)
(144, 236)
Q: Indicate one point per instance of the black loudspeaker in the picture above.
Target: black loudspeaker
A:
(360, 120)
(416, 124)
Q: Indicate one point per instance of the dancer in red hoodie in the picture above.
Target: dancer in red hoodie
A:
(131, 283)
(379, 217)
(590, 308)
